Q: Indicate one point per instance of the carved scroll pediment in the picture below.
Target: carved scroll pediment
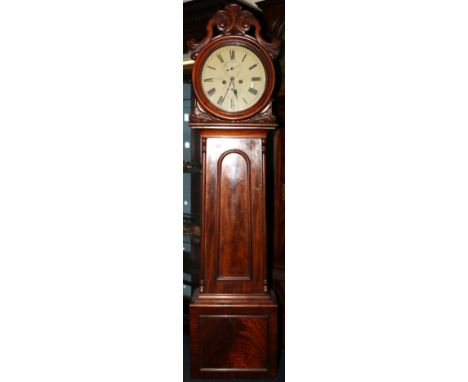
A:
(233, 21)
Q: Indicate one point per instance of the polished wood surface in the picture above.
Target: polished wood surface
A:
(234, 257)
(244, 336)
(234, 336)
(234, 313)
(233, 230)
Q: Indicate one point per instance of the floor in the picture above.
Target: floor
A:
(187, 369)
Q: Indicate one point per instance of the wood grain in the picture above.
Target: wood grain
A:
(234, 342)
(233, 213)
(235, 338)
(234, 223)
(234, 314)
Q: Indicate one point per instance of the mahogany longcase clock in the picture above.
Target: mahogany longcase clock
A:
(233, 314)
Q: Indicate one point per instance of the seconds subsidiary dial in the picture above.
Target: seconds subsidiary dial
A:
(233, 78)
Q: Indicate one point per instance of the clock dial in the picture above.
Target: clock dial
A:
(233, 78)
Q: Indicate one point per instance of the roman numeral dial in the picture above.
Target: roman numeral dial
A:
(233, 78)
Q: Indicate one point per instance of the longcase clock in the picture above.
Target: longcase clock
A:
(233, 314)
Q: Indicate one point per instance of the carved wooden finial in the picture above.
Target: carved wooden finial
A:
(233, 21)
(233, 8)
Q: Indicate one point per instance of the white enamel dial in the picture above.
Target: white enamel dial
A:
(233, 78)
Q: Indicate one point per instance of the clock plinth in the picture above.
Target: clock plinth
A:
(234, 314)
(233, 336)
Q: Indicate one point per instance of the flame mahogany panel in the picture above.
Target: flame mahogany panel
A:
(234, 202)
(234, 340)
(233, 213)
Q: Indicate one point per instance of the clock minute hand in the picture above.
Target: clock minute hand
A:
(234, 88)
(230, 82)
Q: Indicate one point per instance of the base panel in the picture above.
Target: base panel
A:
(233, 339)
